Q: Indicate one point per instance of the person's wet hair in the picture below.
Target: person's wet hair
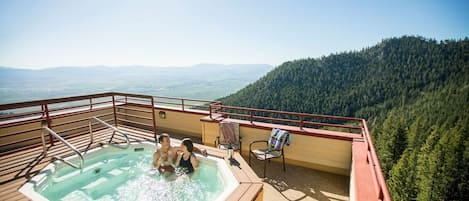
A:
(188, 143)
(162, 136)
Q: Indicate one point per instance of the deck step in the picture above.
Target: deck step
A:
(92, 167)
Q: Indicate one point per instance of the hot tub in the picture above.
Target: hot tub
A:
(111, 173)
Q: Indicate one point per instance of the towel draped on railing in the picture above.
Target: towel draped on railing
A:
(229, 134)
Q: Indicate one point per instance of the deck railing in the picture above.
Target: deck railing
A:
(184, 103)
(117, 105)
(301, 120)
(372, 158)
(32, 112)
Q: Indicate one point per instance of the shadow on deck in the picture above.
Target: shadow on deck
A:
(299, 183)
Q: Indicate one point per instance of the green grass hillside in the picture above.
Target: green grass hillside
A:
(414, 92)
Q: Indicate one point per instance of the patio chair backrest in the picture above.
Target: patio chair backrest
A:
(229, 133)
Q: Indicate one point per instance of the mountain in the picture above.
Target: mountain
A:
(413, 91)
(203, 81)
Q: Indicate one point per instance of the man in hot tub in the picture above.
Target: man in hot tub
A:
(165, 156)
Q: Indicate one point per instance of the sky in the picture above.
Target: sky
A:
(39, 34)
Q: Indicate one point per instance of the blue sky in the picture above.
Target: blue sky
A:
(47, 33)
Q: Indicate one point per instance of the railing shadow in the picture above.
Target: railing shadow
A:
(299, 183)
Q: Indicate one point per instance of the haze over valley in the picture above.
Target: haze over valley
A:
(203, 81)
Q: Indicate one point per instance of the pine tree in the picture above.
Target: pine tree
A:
(440, 180)
(426, 166)
(402, 177)
(393, 140)
(456, 171)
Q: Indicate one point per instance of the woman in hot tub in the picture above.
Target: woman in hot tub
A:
(186, 159)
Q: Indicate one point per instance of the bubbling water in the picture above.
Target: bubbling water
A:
(147, 188)
(130, 177)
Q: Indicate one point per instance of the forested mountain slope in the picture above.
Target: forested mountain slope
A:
(414, 92)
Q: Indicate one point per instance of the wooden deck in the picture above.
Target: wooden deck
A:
(16, 168)
(300, 183)
(297, 183)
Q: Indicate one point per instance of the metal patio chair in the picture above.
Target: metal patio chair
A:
(273, 147)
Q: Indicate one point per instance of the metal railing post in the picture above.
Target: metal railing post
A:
(43, 124)
(115, 130)
(153, 116)
(210, 110)
(91, 104)
(114, 107)
(182, 104)
(301, 121)
(43, 113)
(82, 160)
(46, 110)
(90, 124)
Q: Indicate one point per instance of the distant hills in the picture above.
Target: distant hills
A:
(203, 81)
(413, 91)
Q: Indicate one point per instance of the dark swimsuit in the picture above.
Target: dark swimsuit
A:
(186, 164)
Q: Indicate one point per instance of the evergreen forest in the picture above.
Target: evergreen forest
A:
(414, 93)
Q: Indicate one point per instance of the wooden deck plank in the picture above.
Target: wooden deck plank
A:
(238, 192)
(38, 148)
(17, 167)
(10, 190)
(252, 192)
(253, 178)
(38, 157)
(16, 197)
(239, 173)
(57, 150)
(12, 156)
